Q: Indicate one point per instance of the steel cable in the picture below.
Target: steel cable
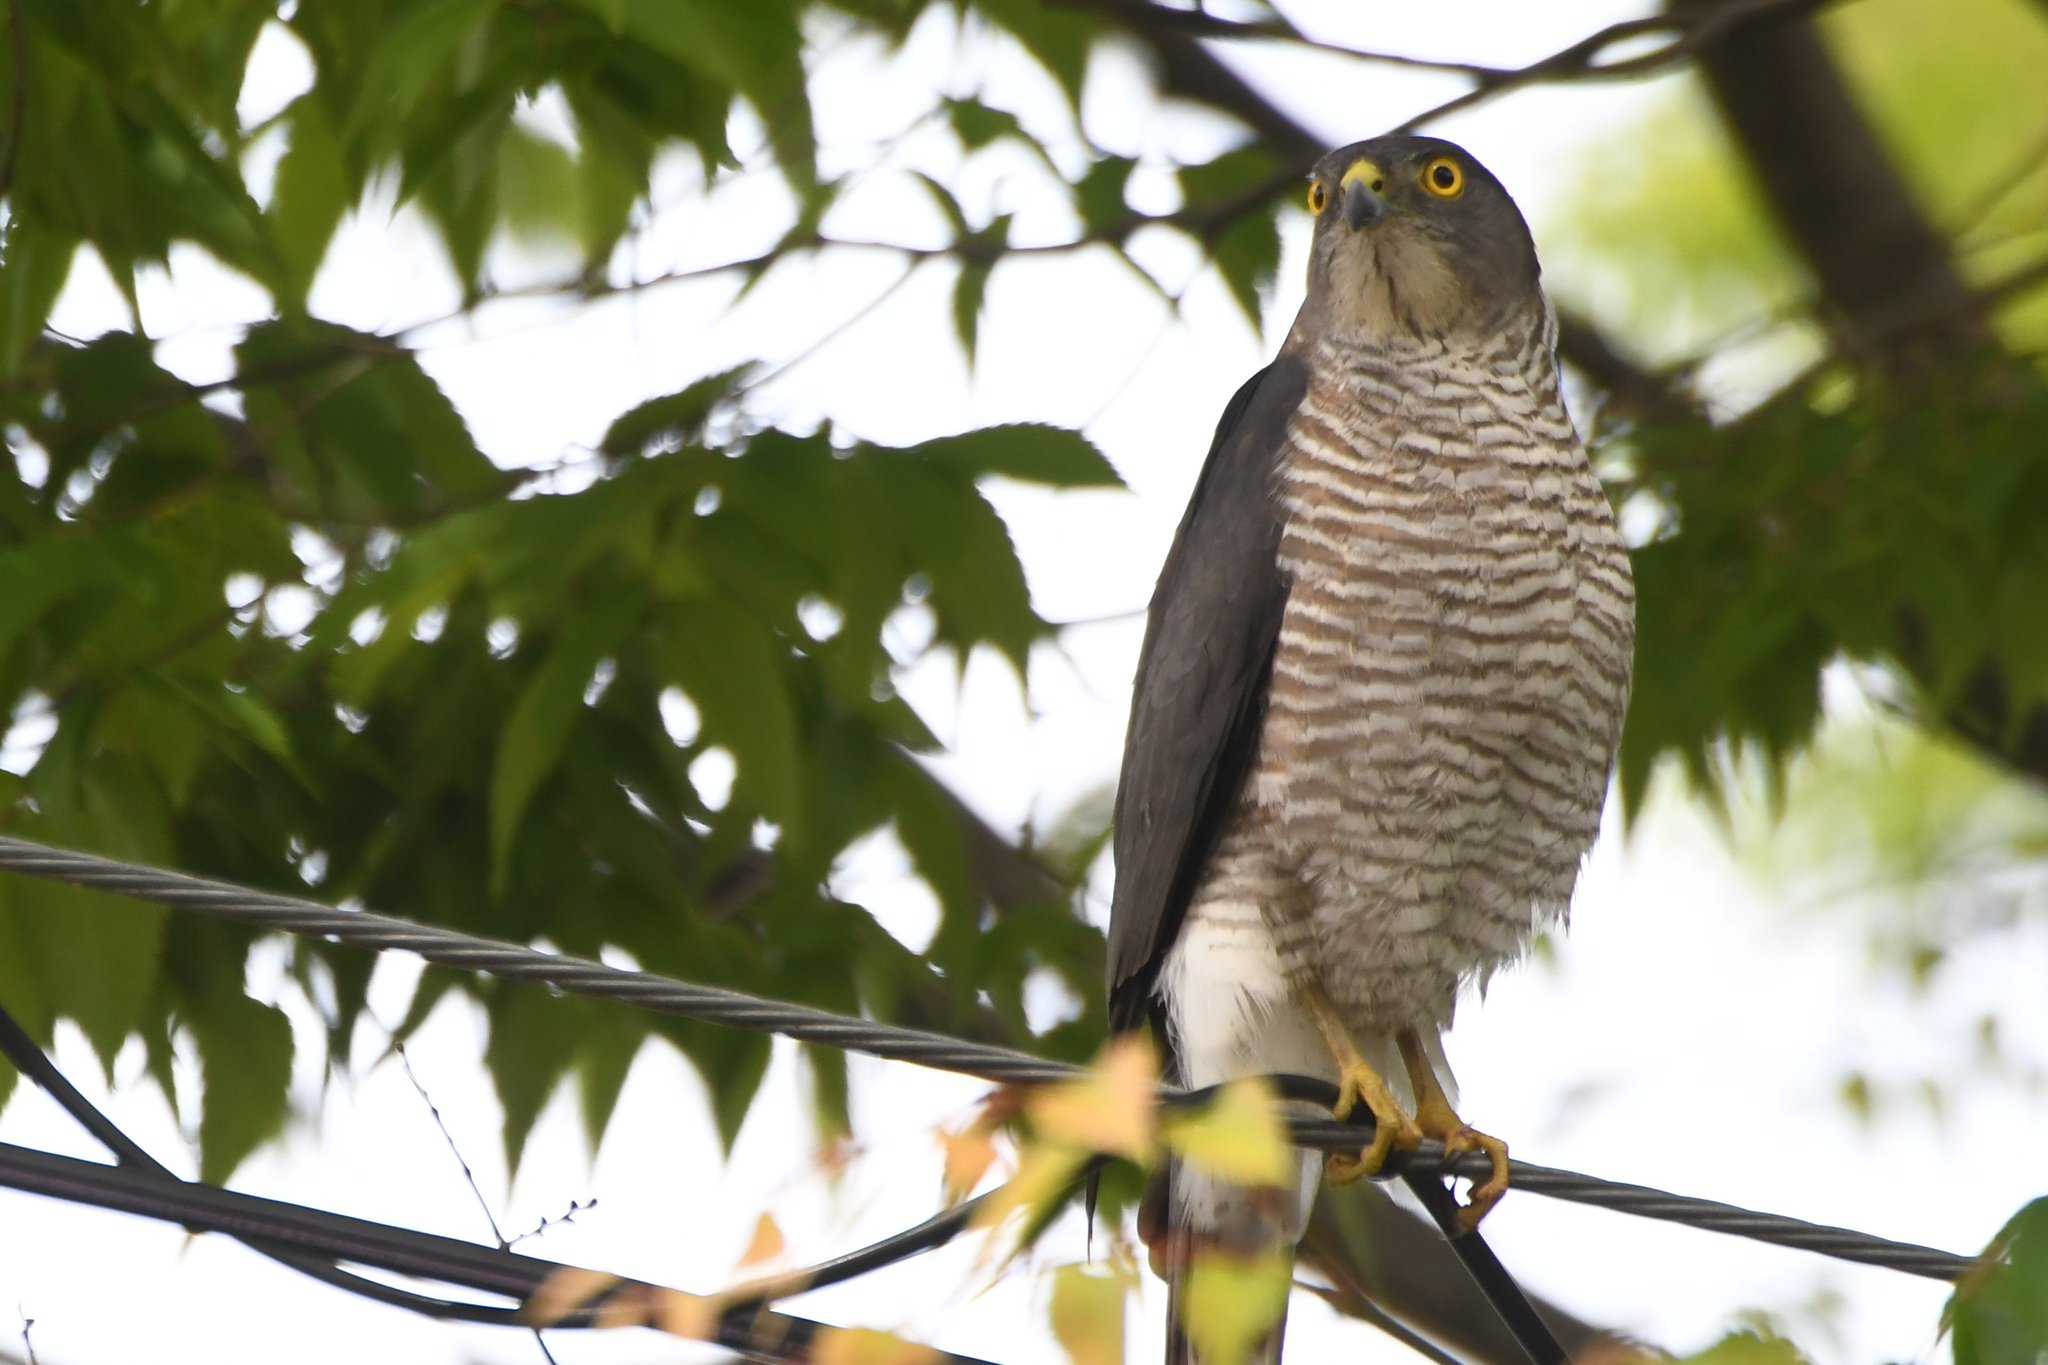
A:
(716, 1005)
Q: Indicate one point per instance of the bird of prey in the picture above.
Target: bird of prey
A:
(1381, 687)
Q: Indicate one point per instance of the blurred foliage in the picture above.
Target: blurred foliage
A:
(1677, 250)
(317, 638)
(1999, 1312)
(295, 628)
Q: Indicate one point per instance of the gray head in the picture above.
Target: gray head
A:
(1415, 237)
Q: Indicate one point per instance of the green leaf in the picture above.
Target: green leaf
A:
(245, 1061)
(1243, 239)
(311, 194)
(534, 1035)
(35, 260)
(542, 722)
(968, 292)
(1028, 451)
(680, 415)
(757, 47)
(1059, 40)
(1100, 195)
(409, 54)
(977, 124)
(1999, 1311)
(948, 205)
(732, 666)
(609, 1045)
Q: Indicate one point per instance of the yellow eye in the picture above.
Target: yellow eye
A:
(1318, 197)
(1443, 178)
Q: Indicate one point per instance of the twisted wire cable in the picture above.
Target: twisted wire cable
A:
(717, 1005)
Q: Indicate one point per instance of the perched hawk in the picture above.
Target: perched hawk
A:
(1382, 681)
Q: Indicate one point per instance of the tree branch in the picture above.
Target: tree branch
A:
(1836, 194)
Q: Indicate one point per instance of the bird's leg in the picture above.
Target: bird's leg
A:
(1436, 1118)
(1356, 1080)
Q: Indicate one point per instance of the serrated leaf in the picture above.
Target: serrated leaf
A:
(731, 665)
(1099, 195)
(310, 197)
(539, 727)
(948, 205)
(1031, 452)
(1111, 1109)
(603, 1062)
(533, 1041)
(245, 1065)
(970, 288)
(1088, 1313)
(1234, 1302)
(679, 415)
(1998, 1314)
(35, 260)
(1239, 1137)
(1244, 243)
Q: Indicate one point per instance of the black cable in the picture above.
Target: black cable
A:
(31, 1061)
(767, 1335)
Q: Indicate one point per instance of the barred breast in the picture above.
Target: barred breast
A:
(1450, 675)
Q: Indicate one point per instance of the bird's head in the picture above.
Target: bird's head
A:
(1415, 237)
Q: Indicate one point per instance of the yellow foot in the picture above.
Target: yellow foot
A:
(1391, 1128)
(1435, 1118)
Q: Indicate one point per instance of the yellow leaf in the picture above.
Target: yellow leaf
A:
(766, 1245)
(859, 1346)
(1240, 1137)
(1088, 1314)
(563, 1292)
(1043, 1175)
(1110, 1109)
(968, 1157)
(1233, 1302)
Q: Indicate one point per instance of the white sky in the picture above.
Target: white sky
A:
(1690, 1035)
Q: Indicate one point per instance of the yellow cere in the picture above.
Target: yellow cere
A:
(1375, 179)
(1443, 177)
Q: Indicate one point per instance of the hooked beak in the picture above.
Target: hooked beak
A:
(1360, 189)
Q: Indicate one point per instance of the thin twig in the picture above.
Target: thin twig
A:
(434, 1110)
(539, 1229)
(1694, 29)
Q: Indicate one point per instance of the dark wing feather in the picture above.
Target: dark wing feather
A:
(1201, 685)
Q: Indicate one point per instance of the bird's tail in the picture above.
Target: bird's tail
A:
(1197, 1214)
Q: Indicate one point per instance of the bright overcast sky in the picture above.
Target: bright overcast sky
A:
(1690, 1034)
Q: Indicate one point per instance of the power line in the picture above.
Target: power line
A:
(404, 1251)
(315, 1246)
(712, 1004)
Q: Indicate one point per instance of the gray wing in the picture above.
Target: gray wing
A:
(1201, 684)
